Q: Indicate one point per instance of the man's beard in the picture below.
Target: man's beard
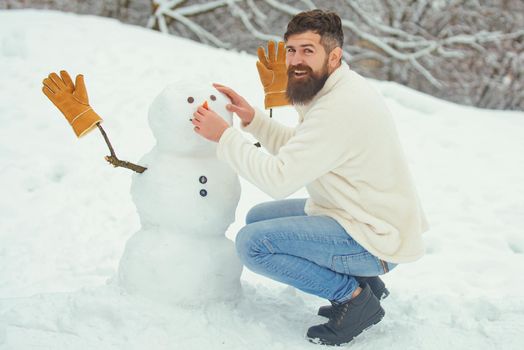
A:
(302, 90)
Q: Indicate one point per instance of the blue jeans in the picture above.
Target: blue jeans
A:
(311, 253)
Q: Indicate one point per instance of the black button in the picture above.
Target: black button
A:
(203, 193)
(190, 99)
(213, 98)
(202, 179)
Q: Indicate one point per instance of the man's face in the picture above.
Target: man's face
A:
(307, 66)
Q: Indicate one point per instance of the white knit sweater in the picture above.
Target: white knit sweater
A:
(347, 153)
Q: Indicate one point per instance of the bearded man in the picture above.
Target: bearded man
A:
(363, 216)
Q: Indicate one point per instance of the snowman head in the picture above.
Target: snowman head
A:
(171, 111)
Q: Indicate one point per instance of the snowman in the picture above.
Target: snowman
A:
(185, 200)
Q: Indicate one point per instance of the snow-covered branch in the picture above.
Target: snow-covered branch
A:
(238, 12)
(467, 51)
(398, 38)
(408, 47)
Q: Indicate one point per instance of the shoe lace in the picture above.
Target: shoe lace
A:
(339, 311)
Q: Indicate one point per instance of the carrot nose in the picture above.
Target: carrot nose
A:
(205, 105)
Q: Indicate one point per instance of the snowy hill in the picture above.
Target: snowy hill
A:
(65, 214)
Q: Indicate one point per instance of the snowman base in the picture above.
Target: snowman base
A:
(180, 270)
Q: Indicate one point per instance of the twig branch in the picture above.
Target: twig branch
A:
(113, 159)
(124, 164)
(111, 150)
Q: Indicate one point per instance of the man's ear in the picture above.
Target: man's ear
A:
(334, 58)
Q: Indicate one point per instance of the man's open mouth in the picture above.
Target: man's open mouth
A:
(300, 73)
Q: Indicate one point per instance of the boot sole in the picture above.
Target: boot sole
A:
(373, 320)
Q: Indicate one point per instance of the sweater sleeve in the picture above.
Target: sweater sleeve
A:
(319, 145)
(270, 133)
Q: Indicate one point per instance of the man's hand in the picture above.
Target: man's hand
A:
(273, 74)
(209, 124)
(238, 104)
(71, 99)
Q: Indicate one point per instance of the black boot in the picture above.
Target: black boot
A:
(348, 319)
(377, 287)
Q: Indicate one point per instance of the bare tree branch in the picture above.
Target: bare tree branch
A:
(388, 35)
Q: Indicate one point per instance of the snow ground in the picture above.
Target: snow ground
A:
(65, 215)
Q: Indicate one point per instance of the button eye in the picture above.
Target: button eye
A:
(190, 99)
(213, 98)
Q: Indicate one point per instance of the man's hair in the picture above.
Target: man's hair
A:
(327, 24)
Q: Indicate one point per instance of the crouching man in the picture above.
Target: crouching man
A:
(363, 215)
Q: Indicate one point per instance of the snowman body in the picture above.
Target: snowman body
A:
(186, 200)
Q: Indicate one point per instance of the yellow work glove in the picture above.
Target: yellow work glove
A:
(72, 101)
(273, 74)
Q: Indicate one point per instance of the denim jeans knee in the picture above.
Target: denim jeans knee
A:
(247, 246)
(242, 244)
